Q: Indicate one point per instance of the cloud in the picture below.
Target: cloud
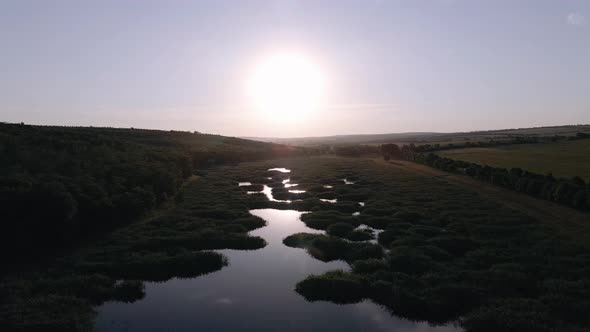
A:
(224, 300)
(576, 19)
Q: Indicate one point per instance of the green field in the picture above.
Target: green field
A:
(563, 159)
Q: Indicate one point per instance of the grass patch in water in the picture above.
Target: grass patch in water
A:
(348, 231)
(452, 253)
(324, 218)
(159, 266)
(326, 248)
(335, 286)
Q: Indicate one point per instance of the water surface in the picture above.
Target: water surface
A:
(255, 292)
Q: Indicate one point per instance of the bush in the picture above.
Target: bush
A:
(368, 265)
(48, 313)
(360, 235)
(410, 262)
(129, 291)
(323, 219)
(336, 286)
(509, 315)
(386, 237)
(340, 229)
(328, 249)
(160, 266)
(455, 245)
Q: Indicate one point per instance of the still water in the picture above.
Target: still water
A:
(254, 293)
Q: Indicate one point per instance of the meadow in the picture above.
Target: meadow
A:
(563, 159)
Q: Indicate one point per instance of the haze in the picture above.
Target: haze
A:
(388, 66)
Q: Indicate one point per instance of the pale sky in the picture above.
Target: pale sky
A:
(386, 66)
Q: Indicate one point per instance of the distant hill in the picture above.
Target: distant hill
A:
(60, 184)
(185, 141)
(347, 139)
(427, 137)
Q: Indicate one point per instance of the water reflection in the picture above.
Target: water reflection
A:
(267, 191)
(287, 183)
(374, 231)
(280, 169)
(254, 293)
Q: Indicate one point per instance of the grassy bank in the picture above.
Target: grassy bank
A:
(176, 242)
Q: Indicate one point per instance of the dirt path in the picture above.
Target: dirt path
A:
(542, 210)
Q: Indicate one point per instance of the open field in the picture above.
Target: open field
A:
(570, 220)
(563, 159)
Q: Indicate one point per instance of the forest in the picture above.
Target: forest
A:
(60, 184)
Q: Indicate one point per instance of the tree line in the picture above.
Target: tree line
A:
(574, 192)
(59, 184)
(511, 140)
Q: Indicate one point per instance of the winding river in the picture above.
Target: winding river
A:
(254, 293)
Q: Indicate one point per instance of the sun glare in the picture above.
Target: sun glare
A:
(286, 86)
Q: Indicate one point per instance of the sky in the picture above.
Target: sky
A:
(387, 66)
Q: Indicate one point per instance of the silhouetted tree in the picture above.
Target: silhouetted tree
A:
(391, 151)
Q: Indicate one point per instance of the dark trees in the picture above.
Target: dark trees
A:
(390, 151)
(58, 184)
(573, 192)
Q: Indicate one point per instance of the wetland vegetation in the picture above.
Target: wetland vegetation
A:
(449, 254)
(425, 249)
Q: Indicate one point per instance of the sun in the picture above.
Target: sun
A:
(286, 86)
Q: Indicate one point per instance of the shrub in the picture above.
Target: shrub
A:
(129, 291)
(336, 286)
(368, 265)
(509, 315)
(360, 235)
(340, 229)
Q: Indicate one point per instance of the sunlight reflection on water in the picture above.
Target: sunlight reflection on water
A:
(280, 169)
(255, 292)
